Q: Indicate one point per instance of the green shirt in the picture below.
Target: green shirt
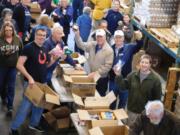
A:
(140, 92)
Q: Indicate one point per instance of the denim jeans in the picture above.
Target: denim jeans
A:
(50, 72)
(77, 9)
(23, 111)
(8, 78)
(123, 95)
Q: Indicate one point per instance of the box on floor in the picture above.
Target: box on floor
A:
(58, 118)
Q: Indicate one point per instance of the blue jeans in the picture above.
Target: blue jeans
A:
(8, 78)
(23, 111)
(77, 9)
(50, 72)
(123, 95)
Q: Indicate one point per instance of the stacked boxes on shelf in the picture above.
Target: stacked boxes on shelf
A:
(178, 15)
(157, 13)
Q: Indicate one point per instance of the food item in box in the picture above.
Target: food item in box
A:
(95, 117)
(107, 116)
(61, 112)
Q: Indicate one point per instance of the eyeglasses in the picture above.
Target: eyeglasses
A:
(41, 35)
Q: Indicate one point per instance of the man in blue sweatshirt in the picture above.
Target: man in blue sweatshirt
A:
(123, 55)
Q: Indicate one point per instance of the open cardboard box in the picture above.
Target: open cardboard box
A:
(72, 71)
(81, 85)
(115, 130)
(85, 115)
(42, 95)
(95, 102)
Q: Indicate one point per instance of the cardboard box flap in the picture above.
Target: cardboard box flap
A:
(78, 100)
(97, 94)
(104, 123)
(120, 114)
(67, 78)
(65, 65)
(81, 59)
(95, 131)
(72, 71)
(111, 97)
(96, 103)
(83, 115)
(52, 99)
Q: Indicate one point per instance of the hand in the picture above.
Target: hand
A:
(76, 30)
(31, 82)
(138, 35)
(117, 70)
(91, 75)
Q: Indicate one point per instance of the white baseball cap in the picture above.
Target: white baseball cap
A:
(100, 32)
(118, 33)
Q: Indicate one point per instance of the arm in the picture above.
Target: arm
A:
(137, 47)
(123, 83)
(129, 32)
(22, 69)
(157, 90)
(86, 46)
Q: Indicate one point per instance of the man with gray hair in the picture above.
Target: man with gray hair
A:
(100, 58)
(55, 41)
(156, 121)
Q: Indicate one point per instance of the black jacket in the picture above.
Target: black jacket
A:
(169, 125)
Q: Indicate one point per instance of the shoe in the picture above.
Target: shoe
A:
(36, 128)
(9, 113)
(14, 132)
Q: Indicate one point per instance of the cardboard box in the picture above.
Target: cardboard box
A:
(42, 95)
(62, 123)
(81, 85)
(95, 102)
(85, 115)
(116, 130)
(74, 72)
(55, 122)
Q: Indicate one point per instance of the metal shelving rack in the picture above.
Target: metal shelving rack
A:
(173, 52)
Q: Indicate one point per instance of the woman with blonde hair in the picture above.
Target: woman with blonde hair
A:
(10, 46)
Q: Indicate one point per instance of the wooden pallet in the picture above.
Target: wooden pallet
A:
(170, 87)
(166, 36)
